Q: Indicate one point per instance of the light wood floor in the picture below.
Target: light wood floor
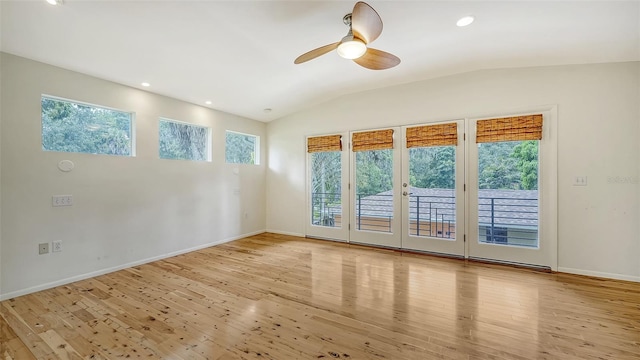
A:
(279, 297)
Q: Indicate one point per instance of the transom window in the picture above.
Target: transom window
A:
(242, 148)
(70, 126)
(182, 141)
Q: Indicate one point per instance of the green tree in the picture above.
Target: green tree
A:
(240, 148)
(326, 186)
(526, 157)
(326, 172)
(432, 167)
(496, 167)
(183, 141)
(374, 171)
(72, 127)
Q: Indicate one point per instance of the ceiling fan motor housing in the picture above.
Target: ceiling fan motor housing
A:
(347, 20)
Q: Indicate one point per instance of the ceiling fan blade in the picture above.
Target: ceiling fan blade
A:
(365, 22)
(377, 60)
(315, 53)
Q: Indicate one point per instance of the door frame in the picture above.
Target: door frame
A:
(548, 196)
(451, 248)
(324, 232)
(375, 238)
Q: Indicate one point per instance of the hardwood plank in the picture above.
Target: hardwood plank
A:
(281, 297)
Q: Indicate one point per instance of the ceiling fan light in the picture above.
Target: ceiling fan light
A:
(352, 49)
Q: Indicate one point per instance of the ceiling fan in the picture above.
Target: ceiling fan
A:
(365, 25)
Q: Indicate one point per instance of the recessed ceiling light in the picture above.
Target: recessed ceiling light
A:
(207, 102)
(145, 84)
(54, 2)
(464, 21)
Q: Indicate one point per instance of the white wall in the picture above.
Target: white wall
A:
(126, 210)
(0, 160)
(598, 129)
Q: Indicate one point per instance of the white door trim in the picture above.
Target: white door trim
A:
(548, 180)
(324, 232)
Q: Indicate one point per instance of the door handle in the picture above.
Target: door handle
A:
(405, 193)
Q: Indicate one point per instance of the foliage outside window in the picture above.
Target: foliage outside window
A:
(242, 148)
(508, 200)
(432, 167)
(81, 128)
(374, 171)
(326, 189)
(180, 141)
(508, 165)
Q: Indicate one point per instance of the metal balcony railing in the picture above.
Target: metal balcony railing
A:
(508, 220)
(433, 216)
(326, 209)
(374, 212)
(502, 220)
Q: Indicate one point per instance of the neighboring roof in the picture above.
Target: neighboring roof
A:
(510, 207)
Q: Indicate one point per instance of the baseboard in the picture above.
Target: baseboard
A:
(284, 232)
(599, 274)
(69, 280)
(325, 238)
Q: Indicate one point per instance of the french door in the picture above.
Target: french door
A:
(375, 188)
(328, 187)
(512, 190)
(432, 188)
(408, 188)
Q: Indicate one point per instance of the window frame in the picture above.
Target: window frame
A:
(132, 124)
(256, 148)
(209, 139)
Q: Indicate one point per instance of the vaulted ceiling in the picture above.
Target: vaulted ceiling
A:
(239, 54)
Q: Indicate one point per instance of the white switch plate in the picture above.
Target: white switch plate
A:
(56, 246)
(580, 181)
(62, 200)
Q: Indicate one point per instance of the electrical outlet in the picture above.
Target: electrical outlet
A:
(56, 246)
(580, 181)
(43, 248)
(62, 200)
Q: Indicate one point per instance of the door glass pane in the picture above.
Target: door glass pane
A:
(374, 190)
(432, 200)
(326, 189)
(508, 193)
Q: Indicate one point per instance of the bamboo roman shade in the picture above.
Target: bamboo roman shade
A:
(509, 129)
(432, 135)
(324, 143)
(372, 140)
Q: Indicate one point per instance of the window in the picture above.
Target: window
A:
(242, 148)
(82, 128)
(432, 180)
(374, 179)
(181, 141)
(508, 167)
(508, 195)
(325, 159)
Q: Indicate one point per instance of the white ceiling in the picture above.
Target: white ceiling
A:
(239, 54)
